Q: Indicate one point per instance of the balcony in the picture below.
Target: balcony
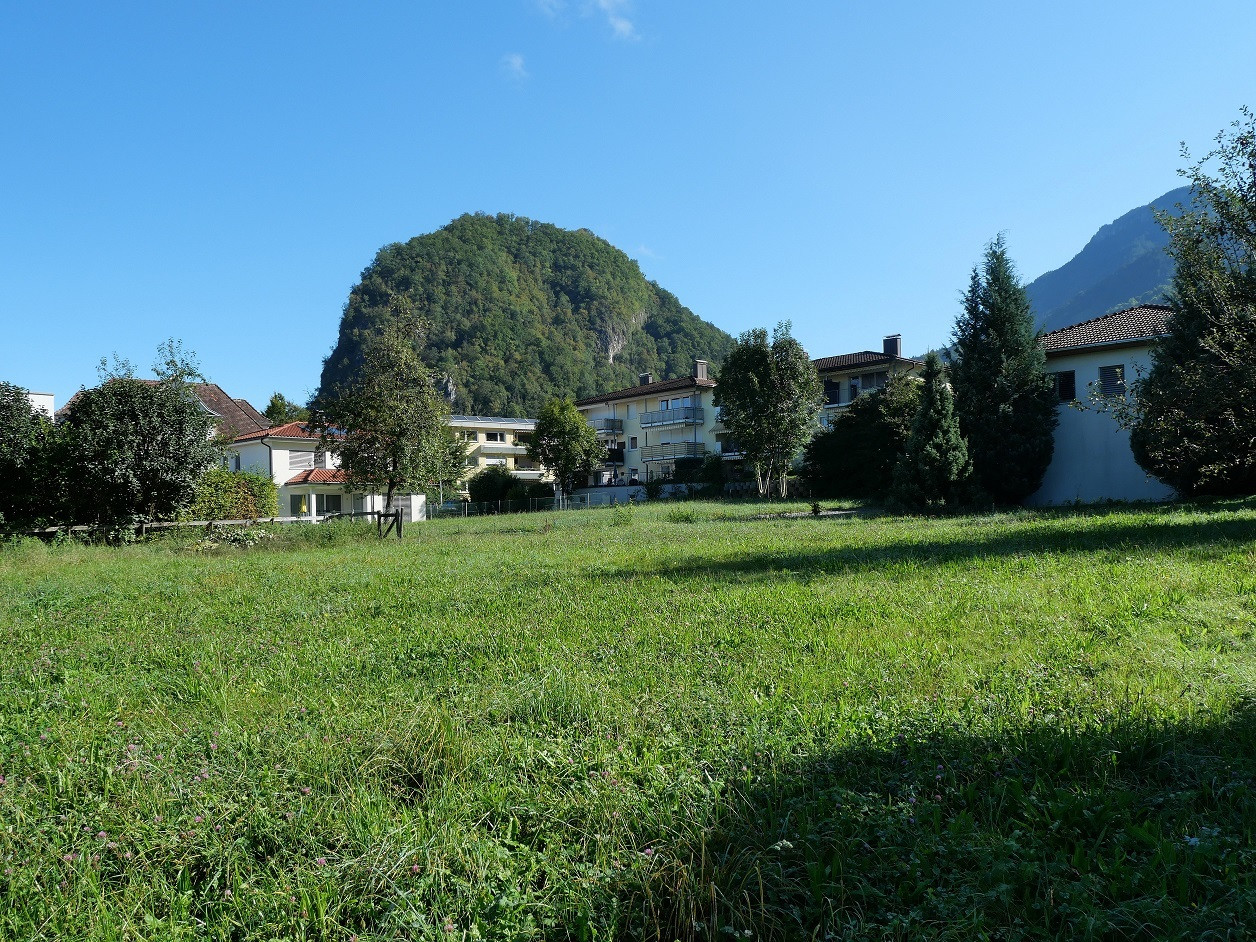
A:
(608, 426)
(684, 415)
(615, 455)
(673, 451)
(502, 448)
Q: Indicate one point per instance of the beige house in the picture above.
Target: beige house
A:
(649, 426)
(850, 375)
(493, 440)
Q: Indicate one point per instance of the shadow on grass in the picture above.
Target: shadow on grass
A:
(1134, 832)
(1077, 533)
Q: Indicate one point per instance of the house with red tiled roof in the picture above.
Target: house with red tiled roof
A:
(1095, 360)
(308, 477)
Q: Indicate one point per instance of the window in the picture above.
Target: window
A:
(870, 381)
(326, 504)
(1065, 383)
(320, 459)
(300, 460)
(235, 462)
(632, 441)
(500, 462)
(495, 436)
(854, 390)
(297, 506)
(662, 404)
(472, 461)
(832, 392)
(1112, 380)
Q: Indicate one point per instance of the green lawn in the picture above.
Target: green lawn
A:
(680, 722)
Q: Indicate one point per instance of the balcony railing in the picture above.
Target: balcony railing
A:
(608, 426)
(503, 448)
(673, 451)
(683, 415)
(615, 455)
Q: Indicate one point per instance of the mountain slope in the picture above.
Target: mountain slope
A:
(1124, 264)
(522, 311)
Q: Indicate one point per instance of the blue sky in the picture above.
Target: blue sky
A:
(222, 172)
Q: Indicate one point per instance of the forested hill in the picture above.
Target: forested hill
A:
(1123, 265)
(522, 311)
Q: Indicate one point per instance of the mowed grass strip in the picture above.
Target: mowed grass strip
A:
(671, 722)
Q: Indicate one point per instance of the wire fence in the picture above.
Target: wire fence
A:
(465, 508)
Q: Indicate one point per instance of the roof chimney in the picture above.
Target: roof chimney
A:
(645, 379)
(893, 346)
(699, 369)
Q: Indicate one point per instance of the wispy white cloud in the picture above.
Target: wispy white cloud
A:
(646, 252)
(514, 66)
(616, 12)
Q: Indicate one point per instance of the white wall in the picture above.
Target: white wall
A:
(1092, 460)
(42, 402)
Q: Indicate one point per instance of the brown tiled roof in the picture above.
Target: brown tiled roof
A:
(318, 476)
(291, 430)
(649, 389)
(847, 361)
(234, 416)
(1141, 323)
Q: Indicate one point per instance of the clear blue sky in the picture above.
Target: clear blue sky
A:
(222, 172)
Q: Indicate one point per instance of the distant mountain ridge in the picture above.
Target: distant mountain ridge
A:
(522, 311)
(1123, 265)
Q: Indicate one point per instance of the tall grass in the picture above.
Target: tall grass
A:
(690, 722)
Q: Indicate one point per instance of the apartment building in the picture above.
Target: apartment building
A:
(850, 375)
(494, 440)
(649, 426)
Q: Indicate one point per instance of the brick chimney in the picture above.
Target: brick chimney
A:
(699, 369)
(893, 345)
(645, 379)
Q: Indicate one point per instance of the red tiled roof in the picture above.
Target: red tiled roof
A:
(318, 476)
(291, 430)
(848, 361)
(649, 389)
(1145, 322)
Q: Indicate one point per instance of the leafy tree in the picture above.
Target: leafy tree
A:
(934, 472)
(27, 491)
(1195, 411)
(281, 411)
(447, 463)
(566, 443)
(1003, 397)
(134, 450)
(387, 421)
(856, 455)
(769, 396)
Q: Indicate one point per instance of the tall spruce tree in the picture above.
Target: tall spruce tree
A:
(1195, 411)
(1003, 397)
(935, 471)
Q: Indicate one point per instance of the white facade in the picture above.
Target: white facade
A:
(292, 460)
(43, 402)
(1092, 460)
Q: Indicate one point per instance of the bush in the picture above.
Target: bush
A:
(496, 483)
(233, 495)
(654, 487)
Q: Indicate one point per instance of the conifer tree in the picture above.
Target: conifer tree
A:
(1195, 411)
(1003, 397)
(935, 471)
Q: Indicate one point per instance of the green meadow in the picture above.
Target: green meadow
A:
(680, 721)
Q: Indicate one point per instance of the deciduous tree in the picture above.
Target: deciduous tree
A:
(387, 422)
(1194, 413)
(769, 396)
(566, 444)
(27, 491)
(281, 411)
(134, 450)
(1003, 397)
